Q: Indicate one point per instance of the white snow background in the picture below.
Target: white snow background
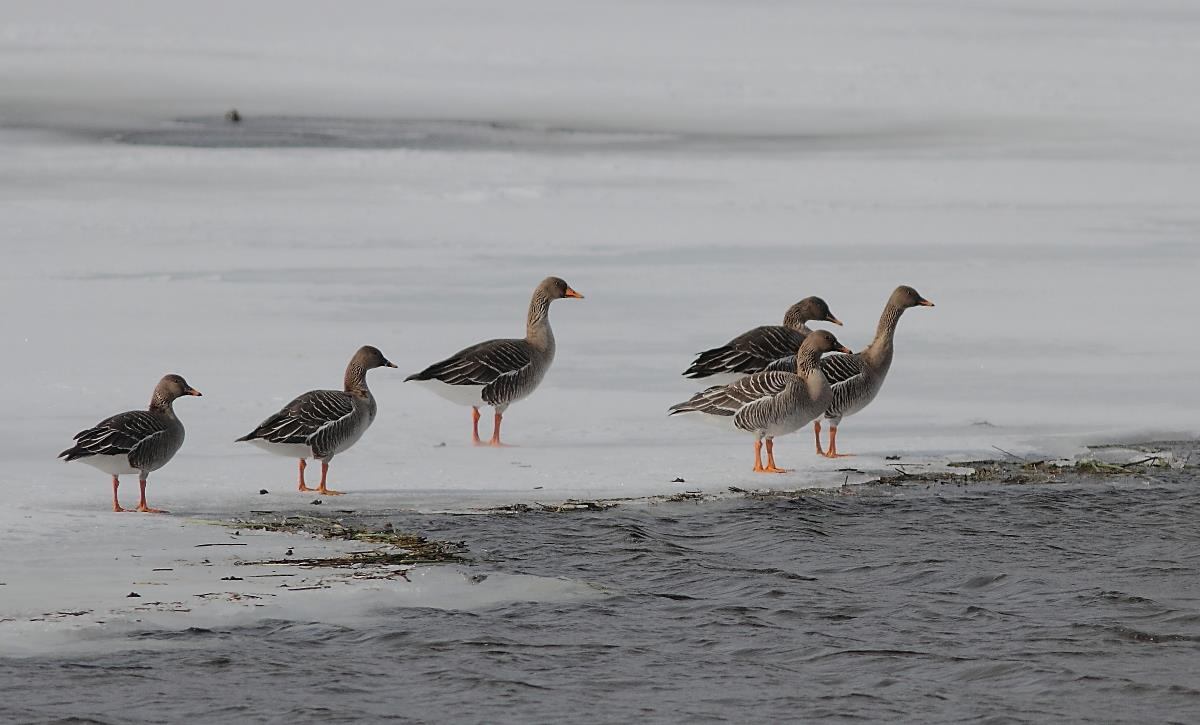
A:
(1033, 168)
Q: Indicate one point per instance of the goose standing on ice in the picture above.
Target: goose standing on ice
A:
(500, 372)
(857, 378)
(138, 441)
(322, 423)
(769, 347)
(771, 403)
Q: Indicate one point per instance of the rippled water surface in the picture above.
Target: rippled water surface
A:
(949, 603)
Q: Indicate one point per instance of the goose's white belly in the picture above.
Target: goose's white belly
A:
(460, 394)
(725, 422)
(115, 465)
(792, 423)
(290, 450)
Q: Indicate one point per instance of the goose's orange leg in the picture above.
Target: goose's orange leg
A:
(495, 441)
(758, 466)
(475, 426)
(142, 501)
(817, 437)
(771, 468)
(116, 504)
(324, 474)
(303, 487)
(833, 445)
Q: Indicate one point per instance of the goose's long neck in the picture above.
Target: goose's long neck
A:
(808, 367)
(537, 325)
(808, 362)
(355, 380)
(880, 350)
(162, 403)
(794, 320)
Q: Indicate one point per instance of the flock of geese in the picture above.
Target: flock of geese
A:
(773, 380)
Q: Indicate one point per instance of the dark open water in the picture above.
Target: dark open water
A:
(982, 603)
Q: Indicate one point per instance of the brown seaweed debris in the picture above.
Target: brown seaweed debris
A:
(394, 548)
(1006, 472)
(574, 505)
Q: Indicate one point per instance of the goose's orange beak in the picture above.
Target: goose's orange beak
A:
(572, 293)
(193, 391)
(845, 349)
(924, 302)
(834, 320)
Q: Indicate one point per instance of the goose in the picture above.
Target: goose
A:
(500, 372)
(322, 423)
(772, 403)
(137, 441)
(856, 379)
(769, 347)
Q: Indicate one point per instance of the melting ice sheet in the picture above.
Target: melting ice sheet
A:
(98, 583)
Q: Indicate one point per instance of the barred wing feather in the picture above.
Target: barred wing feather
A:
(326, 439)
(840, 368)
(303, 417)
(749, 352)
(154, 450)
(727, 400)
(117, 435)
(481, 364)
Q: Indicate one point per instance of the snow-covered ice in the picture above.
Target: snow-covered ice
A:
(692, 168)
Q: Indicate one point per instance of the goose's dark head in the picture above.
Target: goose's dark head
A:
(806, 310)
(170, 388)
(822, 341)
(905, 297)
(556, 288)
(369, 357)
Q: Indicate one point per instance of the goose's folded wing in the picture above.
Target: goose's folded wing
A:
(154, 447)
(786, 364)
(508, 386)
(324, 441)
(117, 435)
(303, 417)
(729, 399)
(747, 353)
(480, 364)
(839, 368)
